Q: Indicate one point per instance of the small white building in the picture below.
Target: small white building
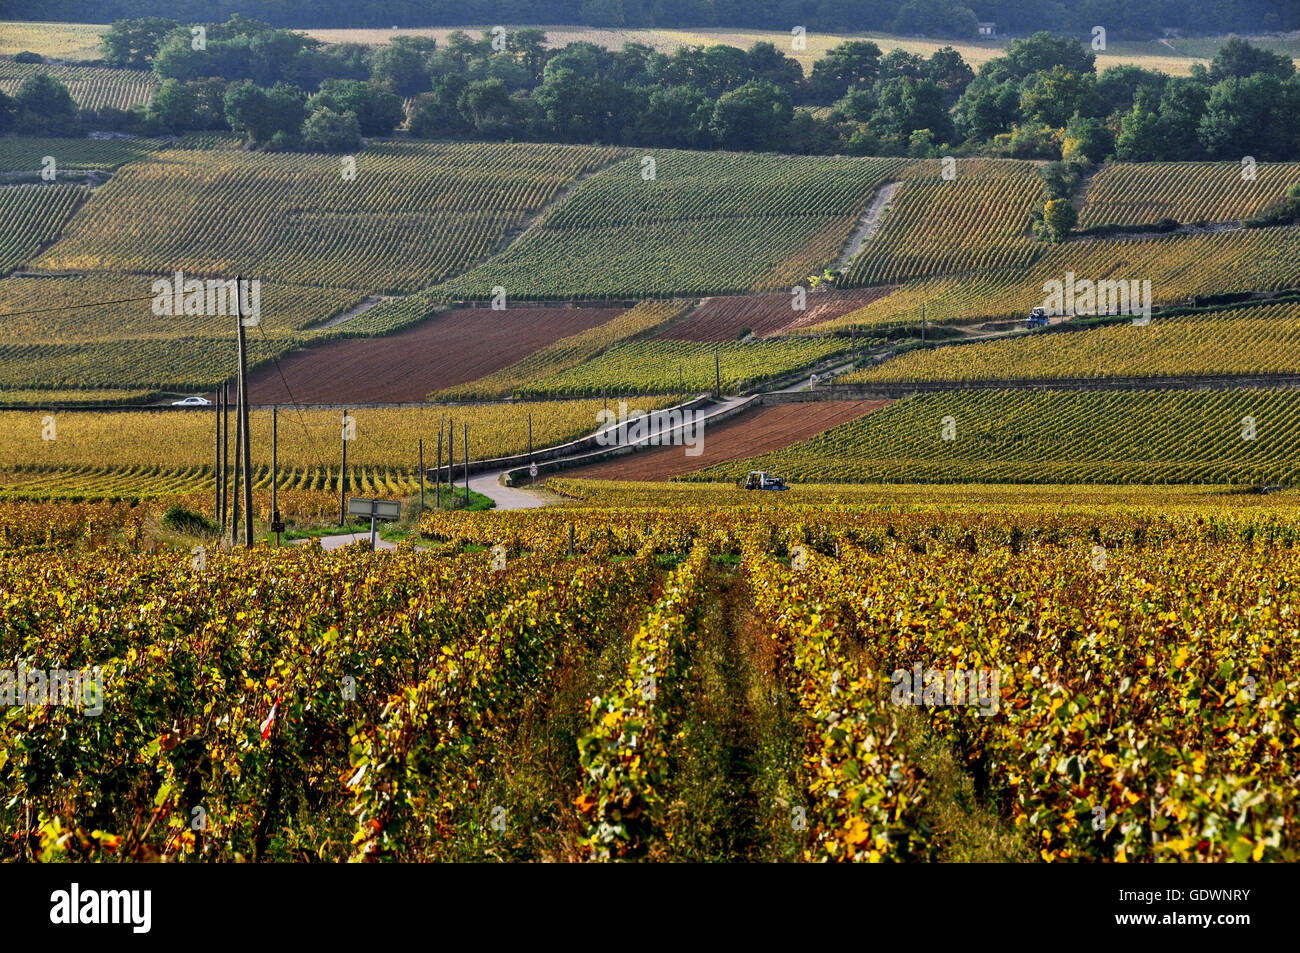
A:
(987, 30)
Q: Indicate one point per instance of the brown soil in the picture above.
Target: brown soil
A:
(758, 431)
(448, 349)
(723, 318)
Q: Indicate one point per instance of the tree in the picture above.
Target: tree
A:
(852, 64)
(935, 18)
(753, 116)
(263, 114)
(986, 108)
(677, 116)
(437, 114)
(376, 109)
(1053, 96)
(44, 106)
(8, 112)
(488, 107)
(1040, 52)
(1087, 137)
(174, 106)
(1243, 116)
(950, 72)
(328, 131)
(134, 43)
(906, 105)
(403, 65)
(1138, 139)
(1059, 217)
(1238, 59)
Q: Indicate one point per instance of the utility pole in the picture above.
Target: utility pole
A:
(437, 474)
(234, 503)
(275, 473)
(465, 431)
(717, 374)
(451, 462)
(421, 474)
(853, 342)
(530, 436)
(343, 474)
(243, 417)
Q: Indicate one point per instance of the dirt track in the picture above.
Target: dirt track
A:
(767, 428)
(448, 349)
(767, 315)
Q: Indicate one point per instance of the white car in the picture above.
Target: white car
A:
(192, 402)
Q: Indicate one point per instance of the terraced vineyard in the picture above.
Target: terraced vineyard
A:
(1255, 340)
(706, 223)
(91, 87)
(1179, 267)
(415, 213)
(1135, 193)
(977, 220)
(685, 367)
(35, 214)
(1053, 437)
(577, 699)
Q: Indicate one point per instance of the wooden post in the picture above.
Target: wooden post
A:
(451, 463)
(343, 473)
(437, 475)
(242, 413)
(717, 374)
(216, 458)
(225, 453)
(530, 436)
(421, 474)
(275, 472)
(465, 445)
(234, 503)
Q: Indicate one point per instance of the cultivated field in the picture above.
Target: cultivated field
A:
(707, 223)
(757, 431)
(91, 87)
(1134, 193)
(1053, 437)
(735, 317)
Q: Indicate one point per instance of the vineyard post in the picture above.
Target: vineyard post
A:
(437, 474)
(923, 322)
(234, 501)
(225, 453)
(530, 436)
(451, 462)
(853, 343)
(465, 445)
(717, 374)
(243, 416)
(275, 473)
(216, 457)
(343, 473)
(421, 474)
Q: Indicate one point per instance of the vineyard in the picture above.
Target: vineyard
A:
(27, 153)
(1139, 193)
(1255, 340)
(735, 317)
(1179, 267)
(36, 213)
(146, 454)
(976, 220)
(1226, 437)
(706, 223)
(685, 367)
(619, 702)
(91, 87)
(414, 214)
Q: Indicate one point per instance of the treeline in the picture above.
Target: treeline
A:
(1043, 99)
(1129, 19)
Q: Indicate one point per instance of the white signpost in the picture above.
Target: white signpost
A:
(376, 510)
(532, 471)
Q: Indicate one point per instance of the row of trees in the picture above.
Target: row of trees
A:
(1043, 99)
(1131, 19)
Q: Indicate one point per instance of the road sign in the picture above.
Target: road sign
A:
(379, 509)
(532, 470)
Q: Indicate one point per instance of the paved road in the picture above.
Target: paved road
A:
(336, 542)
(506, 497)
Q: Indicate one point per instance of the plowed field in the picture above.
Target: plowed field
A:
(448, 349)
(724, 318)
(761, 430)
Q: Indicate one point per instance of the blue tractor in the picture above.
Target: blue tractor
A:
(1037, 319)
